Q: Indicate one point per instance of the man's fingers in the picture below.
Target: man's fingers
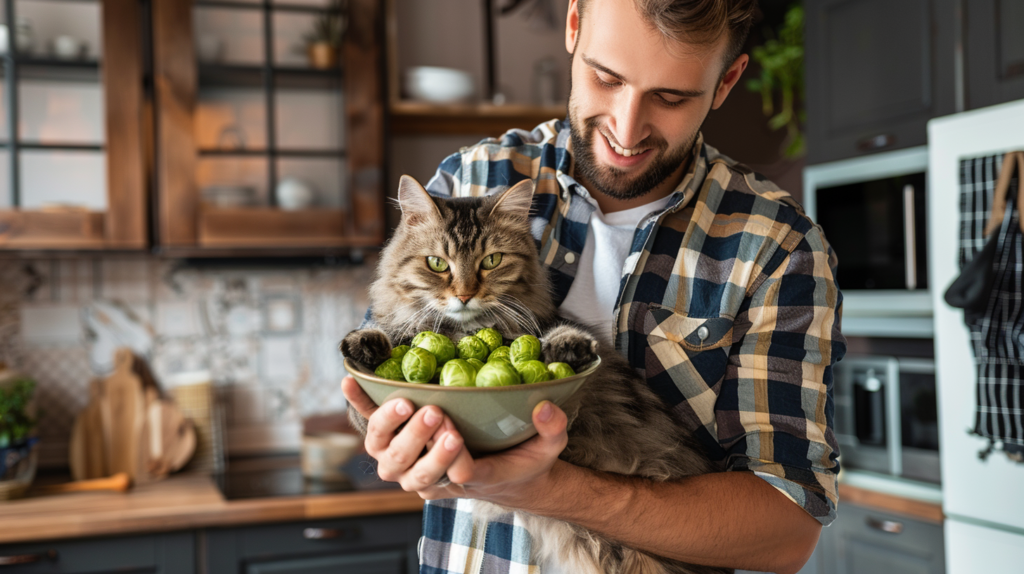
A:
(357, 398)
(431, 467)
(402, 450)
(381, 426)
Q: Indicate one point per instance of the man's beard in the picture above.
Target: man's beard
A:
(615, 182)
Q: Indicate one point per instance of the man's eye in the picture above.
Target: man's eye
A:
(437, 264)
(491, 261)
(607, 82)
(670, 100)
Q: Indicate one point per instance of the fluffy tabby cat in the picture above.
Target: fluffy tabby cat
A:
(456, 265)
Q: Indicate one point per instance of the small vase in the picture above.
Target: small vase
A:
(322, 55)
(17, 468)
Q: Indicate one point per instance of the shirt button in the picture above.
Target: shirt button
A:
(702, 333)
(570, 257)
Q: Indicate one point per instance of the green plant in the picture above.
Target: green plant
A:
(329, 26)
(782, 73)
(15, 422)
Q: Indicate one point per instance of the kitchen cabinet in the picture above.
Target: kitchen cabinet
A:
(73, 127)
(374, 544)
(245, 117)
(876, 72)
(172, 553)
(994, 51)
(864, 540)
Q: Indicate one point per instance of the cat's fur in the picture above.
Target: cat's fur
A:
(617, 423)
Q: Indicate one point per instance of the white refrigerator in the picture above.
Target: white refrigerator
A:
(983, 500)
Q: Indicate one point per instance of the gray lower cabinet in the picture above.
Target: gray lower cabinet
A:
(868, 541)
(993, 51)
(876, 72)
(172, 553)
(365, 545)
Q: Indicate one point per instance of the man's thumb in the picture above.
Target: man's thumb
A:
(550, 421)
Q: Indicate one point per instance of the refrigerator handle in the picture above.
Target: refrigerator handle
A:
(909, 237)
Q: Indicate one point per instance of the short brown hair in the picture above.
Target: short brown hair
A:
(699, 22)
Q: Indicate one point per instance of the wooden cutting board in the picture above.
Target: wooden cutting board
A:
(127, 427)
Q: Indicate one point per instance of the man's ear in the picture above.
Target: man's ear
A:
(417, 205)
(572, 27)
(729, 80)
(516, 201)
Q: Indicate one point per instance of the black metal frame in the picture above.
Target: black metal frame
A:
(270, 77)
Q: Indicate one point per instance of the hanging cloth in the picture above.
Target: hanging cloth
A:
(990, 291)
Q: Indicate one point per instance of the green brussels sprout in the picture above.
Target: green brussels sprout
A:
(525, 348)
(420, 336)
(390, 369)
(497, 374)
(418, 365)
(458, 373)
(560, 370)
(441, 346)
(399, 352)
(472, 348)
(477, 363)
(533, 372)
(491, 337)
(500, 354)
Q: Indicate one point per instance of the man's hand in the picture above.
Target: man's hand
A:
(506, 478)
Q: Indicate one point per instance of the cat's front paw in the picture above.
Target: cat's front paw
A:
(569, 344)
(367, 347)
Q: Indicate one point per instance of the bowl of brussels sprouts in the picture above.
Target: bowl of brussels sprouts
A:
(487, 388)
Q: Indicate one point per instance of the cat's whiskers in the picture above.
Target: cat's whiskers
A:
(529, 320)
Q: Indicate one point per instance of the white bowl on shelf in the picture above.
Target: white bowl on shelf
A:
(439, 85)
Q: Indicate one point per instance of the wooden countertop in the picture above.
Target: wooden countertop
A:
(919, 509)
(179, 503)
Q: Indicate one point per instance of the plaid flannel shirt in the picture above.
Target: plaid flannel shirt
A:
(728, 306)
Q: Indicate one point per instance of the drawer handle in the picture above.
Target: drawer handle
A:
(888, 526)
(880, 141)
(50, 555)
(330, 533)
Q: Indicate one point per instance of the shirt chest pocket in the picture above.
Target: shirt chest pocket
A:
(694, 334)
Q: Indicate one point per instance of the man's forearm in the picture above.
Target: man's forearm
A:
(732, 519)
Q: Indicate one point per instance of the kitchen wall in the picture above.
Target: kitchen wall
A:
(268, 336)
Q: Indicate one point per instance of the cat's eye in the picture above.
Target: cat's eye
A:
(491, 261)
(437, 264)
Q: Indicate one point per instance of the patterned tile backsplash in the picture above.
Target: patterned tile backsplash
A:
(268, 336)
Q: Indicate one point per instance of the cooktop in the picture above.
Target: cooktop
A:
(263, 477)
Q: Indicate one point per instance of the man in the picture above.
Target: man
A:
(710, 280)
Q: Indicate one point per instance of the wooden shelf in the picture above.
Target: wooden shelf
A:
(270, 227)
(419, 118)
(71, 229)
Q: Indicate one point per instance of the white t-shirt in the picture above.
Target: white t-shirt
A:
(595, 289)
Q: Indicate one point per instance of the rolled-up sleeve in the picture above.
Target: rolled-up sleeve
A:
(775, 409)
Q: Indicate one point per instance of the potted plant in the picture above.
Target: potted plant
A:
(324, 42)
(17, 435)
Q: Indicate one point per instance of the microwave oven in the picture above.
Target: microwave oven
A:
(873, 212)
(886, 416)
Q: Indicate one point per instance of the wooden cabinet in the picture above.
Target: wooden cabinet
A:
(994, 51)
(172, 553)
(74, 134)
(375, 544)
(877, 71)
(204, 142)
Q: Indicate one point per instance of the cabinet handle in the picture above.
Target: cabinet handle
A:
(330, 533)
(881, 141)
(50, 555)
(887, 526)
(910, 236)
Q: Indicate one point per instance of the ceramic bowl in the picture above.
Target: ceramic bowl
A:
(489, 418)
(434, 84)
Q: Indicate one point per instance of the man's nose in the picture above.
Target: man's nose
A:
(628, 125)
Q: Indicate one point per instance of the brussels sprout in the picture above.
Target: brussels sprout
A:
(491, 337)
(561, 370)
(477, 363)
(441, 346)
(399, 352)
(418, 365)
(497, 374)
(458, 373)
(420, 336)
(390, 369)
(472, 348)
(500, 354)
(525, 348)
(533, 372)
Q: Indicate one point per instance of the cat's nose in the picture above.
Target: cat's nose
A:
(464, 298)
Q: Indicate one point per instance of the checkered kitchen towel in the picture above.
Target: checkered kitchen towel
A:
(997, 333)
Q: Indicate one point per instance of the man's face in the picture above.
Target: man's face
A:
(637, 99)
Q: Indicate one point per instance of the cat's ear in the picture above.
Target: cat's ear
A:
(516, 201)
(417, 206)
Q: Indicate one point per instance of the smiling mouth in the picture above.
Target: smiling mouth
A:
(624, 152)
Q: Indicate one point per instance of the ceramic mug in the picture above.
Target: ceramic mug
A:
(66, 47)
